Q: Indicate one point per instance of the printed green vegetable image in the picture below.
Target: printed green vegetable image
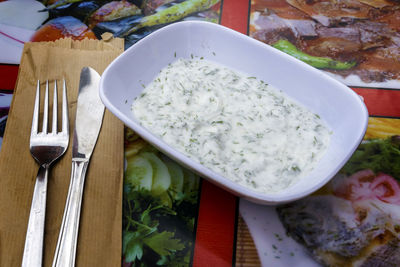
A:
(159, 208)
(378, 155)
(171, 14)
(59, 3)
(317, 62)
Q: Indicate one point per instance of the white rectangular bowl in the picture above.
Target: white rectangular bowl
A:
(342, 109)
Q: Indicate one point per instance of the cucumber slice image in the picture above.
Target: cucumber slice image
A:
(176, 173)
(161, 176)
(190, 182)
(139, 173)
(133, 148)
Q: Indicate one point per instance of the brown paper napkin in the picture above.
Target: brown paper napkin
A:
(99, 242)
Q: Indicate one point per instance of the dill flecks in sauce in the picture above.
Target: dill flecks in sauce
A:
(236, 125)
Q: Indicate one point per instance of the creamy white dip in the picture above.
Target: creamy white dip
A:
(235, 125)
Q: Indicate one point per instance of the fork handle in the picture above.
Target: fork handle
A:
(67, 240)
(33, 250)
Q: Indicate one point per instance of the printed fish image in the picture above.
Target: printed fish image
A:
(355, 219)
(327, 227)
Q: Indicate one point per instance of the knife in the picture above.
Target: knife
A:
(89, 117)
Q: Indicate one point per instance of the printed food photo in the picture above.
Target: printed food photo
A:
(351, 221)
(131, 20)
(159, 207)
(358, 41)
(244, 132)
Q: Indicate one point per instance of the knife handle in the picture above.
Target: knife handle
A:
(65, 253)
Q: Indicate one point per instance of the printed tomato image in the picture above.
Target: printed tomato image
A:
(61, 28)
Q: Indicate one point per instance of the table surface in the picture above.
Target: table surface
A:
(227, 230)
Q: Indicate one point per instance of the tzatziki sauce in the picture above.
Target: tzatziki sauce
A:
(235, 125)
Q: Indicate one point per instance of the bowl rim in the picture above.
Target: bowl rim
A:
(226, 183)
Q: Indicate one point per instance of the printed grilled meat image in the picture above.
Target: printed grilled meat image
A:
(362, 32)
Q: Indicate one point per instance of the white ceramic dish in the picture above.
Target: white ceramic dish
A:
(338, 105)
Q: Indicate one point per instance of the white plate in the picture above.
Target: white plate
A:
(338, 105)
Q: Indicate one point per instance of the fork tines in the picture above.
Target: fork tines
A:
(35, 120)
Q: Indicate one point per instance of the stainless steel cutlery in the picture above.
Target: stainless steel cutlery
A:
(88, 121)
(45, 147)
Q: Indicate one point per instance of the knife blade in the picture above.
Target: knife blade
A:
(88, 121)
(89, 115)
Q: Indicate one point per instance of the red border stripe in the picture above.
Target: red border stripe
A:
(8, 76)
(235, 15)
(381, 102)
(215, 227)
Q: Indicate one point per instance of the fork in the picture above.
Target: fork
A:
(45, 148)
